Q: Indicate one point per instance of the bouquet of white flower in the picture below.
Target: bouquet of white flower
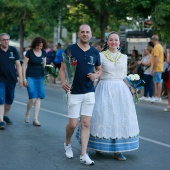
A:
(136, 83)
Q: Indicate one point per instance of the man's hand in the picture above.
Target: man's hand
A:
(66, 86)
(92, 76)
(152, 72)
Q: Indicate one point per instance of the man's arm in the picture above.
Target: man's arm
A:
(24, 65)
(96, 75)
(134, 65)
(154, 64)
(62, 75)
(19, 70)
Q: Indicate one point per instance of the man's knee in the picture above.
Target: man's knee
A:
(72, 124)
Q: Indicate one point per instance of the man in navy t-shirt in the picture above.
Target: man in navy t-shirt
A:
(81, 99)
(9, 64)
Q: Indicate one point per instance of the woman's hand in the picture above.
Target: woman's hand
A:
(20, 82)
(132, 90)
(25, 83)
(139, 62)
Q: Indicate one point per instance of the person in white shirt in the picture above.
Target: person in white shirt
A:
(147, 77)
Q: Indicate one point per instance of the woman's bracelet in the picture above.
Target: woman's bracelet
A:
(130, 88)
(95, 78)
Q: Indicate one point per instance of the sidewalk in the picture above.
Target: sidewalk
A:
(51, 82)
(163, 103)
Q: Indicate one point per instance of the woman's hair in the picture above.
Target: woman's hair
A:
(37, 40)
(105, 46)
(95, 44)
(149, 48)
(136, 53)
(150, 44)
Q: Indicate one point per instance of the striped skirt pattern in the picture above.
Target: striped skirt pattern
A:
(111, 145)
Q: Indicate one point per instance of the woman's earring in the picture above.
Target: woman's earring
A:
(118, 48)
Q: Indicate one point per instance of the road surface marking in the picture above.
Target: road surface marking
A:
(60, 114)
(154, 141)
(43, 109)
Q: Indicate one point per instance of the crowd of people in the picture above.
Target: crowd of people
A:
(105, 114)
(30, 75)
(154, 62)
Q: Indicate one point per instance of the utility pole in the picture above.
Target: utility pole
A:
(59, 38)
(55, 37)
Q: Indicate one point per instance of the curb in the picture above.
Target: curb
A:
(163, 103)
(54, 85)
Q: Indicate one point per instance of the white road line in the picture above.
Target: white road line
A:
(154, 141)
(60, 114)
(43, 109)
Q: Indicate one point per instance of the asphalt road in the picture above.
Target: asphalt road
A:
(25, 147)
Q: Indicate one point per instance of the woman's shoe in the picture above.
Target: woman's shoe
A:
(98, 152)
(119, 156)
(167, 109)
(27, 119)
(36, 123)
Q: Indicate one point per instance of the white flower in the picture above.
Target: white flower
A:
(131, 77)
(48, 65)
(136, 76)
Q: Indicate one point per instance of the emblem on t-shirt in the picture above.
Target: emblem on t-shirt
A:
(91, 62)
(11, 55)
(42, 62)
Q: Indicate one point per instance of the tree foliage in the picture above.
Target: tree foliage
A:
(29, 18)
(21, 18)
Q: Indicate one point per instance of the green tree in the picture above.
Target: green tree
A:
(97, 13)
(159, 12)
(35, 17)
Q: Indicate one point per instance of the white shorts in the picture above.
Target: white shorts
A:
(81, 104)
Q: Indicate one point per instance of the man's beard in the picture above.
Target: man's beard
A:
(6, 46)
(85, 42)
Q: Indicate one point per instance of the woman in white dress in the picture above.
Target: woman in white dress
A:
(114, 124)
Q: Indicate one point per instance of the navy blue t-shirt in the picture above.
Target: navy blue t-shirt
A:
(86, 62)
(7, 65)
(35, 66)
(50, 57)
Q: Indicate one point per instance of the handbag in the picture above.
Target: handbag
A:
(165, 74)
(140, 69)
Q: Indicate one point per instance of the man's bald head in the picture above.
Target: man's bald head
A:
(155, 39)
(84, 25)
(84, 34)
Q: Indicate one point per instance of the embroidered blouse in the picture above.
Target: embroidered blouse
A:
(114, 70)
